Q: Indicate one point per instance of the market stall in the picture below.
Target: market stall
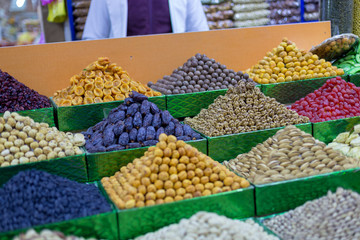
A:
(153, 135)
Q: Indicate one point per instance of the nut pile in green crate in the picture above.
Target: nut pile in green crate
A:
(133, 124)
(170, 171)
(101, 81)
(348, 143)
(205, 225)
(334, 216)
(22, 140)
(199, 74)
(243, 109)
(290, 153)
(287, 63)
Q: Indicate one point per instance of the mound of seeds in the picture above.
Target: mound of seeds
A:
(348, 143)
(170, 171)
(33, 197)
(101, 81)
(287, 63)
(204, 225)
(22, 141)
(334, 216)
(46, 234)
(15, 96)
(133, 124)
(243, 109)
(290, 153)
(199, 74)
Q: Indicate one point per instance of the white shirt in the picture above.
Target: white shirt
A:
(108, 18)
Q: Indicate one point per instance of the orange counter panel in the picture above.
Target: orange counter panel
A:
(48, 67)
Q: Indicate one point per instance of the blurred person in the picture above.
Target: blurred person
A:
(121, 18)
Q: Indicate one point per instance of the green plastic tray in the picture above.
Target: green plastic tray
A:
(72, 167)
(106, 164)
(84, 116)
(230, 146)
(327, 131)
(285, 195)
(290, 92)
(138, 221)
(42, 115)
(355, 79)
(100, 226)
(190, 104)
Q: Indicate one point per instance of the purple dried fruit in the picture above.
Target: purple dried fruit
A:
(128, 124)
(170, 129)
(133, 135)
(133, 145)
(137, 122)
(137, 96)
(150, 142)
(124, 139)
(179, 130)
(166, 117)
(159, 131)
(141, 134)
(114, 147)
(156, 123)
(150, 133)
(145, 107)
(148, 119)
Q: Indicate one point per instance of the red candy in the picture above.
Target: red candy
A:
(334, 100)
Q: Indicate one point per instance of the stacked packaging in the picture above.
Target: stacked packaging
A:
(219, 15)
(311, 10)
(284, 11)
(250, 13)
(80, 12)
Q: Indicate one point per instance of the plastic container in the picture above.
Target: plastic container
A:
(340, 13)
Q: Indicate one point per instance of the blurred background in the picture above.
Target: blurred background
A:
(33, 21)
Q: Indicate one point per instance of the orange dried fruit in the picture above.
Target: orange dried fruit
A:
(119, 97)
(90, 74)
(117, 83)
(89, 94)
(88, 100)
(79, 91)
(99, 83)
(134, 89)
(108, 84)
(89, 87)
(149, 94)
(107, 91)
(108, 78)
(124, 88)
(98, 100)
(115, 90)
(98, 92)
(65, 103)
(142, 89)
(108, 98)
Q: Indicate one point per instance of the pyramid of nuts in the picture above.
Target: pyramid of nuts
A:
(22, 140)
(287, 63)
(290, 153)
(243, 109)
(170, 171)
(101, 81)
(199, 74)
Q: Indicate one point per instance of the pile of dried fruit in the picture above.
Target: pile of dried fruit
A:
(46, 234)
(243, 109)
(287, 63)
(34, 197)
(101, 81)
(22, 141)
(170, 171)
(334, 100)
(348, 143)
(135, 123)
(334, 216)
(204, 225)
(290, 153)
(199, 74)
(15, 96)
